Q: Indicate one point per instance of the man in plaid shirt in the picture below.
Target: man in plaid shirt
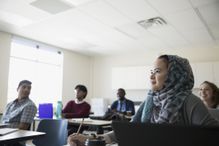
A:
(20, 112)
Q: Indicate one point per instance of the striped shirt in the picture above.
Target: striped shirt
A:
(19, 112)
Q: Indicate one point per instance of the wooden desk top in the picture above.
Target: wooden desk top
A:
(20, 135)
(88, 122)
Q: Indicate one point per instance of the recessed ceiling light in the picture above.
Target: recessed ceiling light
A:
(51, 6)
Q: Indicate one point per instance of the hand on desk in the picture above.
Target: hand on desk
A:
(77, 139)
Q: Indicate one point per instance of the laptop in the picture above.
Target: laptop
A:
(4, 131)
(142, 134)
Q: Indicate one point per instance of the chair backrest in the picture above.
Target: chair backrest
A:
(1, 117)
(214, 113)
(56, 132)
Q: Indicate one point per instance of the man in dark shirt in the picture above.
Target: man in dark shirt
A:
(123, 105)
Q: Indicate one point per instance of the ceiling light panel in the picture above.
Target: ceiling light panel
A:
(51, 6)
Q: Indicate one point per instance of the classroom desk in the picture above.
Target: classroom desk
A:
(3, 125)
(20, 135)
(90, 122)
(87, 122)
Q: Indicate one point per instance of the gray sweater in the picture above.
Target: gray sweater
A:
(194, 112)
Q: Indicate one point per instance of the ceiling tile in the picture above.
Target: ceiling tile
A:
(170, 6)
(132, 29)
(105, 13)
(185, 20)
(215, 31)
(135, 9)
(199, 3)
(13, 19)
(23, 9)
(169, 35)
(198, 36)
(152, 42)
(210, 13)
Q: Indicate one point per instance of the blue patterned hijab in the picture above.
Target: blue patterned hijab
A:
(163, 106)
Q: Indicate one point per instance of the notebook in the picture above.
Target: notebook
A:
(4, 131)
(141, 134)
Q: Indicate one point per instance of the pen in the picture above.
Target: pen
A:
(80, 126)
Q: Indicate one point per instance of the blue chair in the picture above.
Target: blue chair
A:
(56, 132)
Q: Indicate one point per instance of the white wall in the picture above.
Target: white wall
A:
(5, 40)
(102, 80)
(77, 69)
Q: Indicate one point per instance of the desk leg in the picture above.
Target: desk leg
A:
(100, 130)
(34, 125)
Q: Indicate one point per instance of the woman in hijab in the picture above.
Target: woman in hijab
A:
(169, 101)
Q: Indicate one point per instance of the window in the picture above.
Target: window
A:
(39, 63)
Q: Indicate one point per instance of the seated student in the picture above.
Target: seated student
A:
(209, 93)
(123, 105)
(77, 108)
(169, 101)
(20, 112)
(121, 109)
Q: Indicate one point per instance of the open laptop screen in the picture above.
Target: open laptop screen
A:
(142, 134)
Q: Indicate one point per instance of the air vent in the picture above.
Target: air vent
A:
(152, 22)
